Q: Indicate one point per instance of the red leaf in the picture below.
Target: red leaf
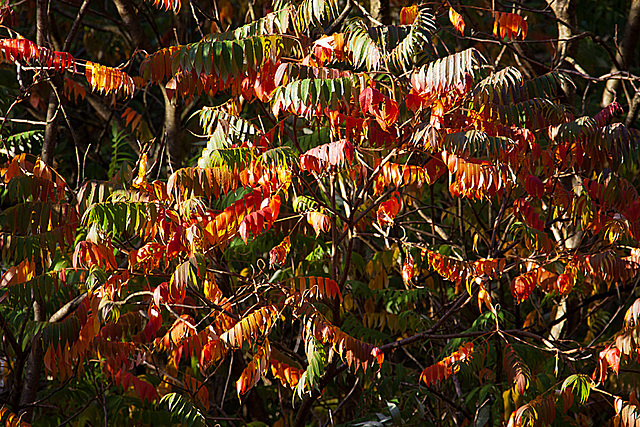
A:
(327, 156)
(522, 286)
(523, 209)
(534, 186)
(384, 109)
(388, 210)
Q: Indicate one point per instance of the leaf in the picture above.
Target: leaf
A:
(354, 352)
(73, 90)
(384, 109)
(166, 4)
(475, 178)
(523, 209)
(107, 80)
(400, 175)
(311, 97)
(327, 157)
(197, 389)
(456, 20)
(631, 316)
(523, 285)
(251, 328)
(408, 269)
(255, 369)
(627, 414)
(580, 385)
(288, 375)
(447, 366)
(27, 51)
(509, 25)
(518, 373)
(446, 73)
(388, 210)
(9, 419)
(143, 389)
(319, 221)
(408, 14)
(539, 411)
(316, 287)
(278, 254)
(608, 358)
(18, 274)
(606, 114)
(224, 226)
(261, 219)
(183, 410)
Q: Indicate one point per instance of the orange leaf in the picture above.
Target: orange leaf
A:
(319, 222)
(289, 375)
(278, 254)
(317, 287)
(407, 269)
(408, 14)
(509, 25)
(456, 20)
(444, 368)
(106, 79)
(384, 109)
(251, 327)
(484, 298)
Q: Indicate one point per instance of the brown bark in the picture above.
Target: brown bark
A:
(565, 11)
(625, 53)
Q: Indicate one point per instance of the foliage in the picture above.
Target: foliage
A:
(389, 181)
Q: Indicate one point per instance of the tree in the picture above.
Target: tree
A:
(376, 227)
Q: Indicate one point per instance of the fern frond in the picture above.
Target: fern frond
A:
(444, 74)
(291, 71)
(252, 328)
(517, 371)
(212, 117)
(123, 218)
(508, 86)
(311, 13)
(36, 227)
(401, 58)
(362, 47)
(212, 57)
(476, 144)
(310, 97)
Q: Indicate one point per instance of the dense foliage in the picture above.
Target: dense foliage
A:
(320, 216)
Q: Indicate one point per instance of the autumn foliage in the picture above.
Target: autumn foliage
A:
(361, 223)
